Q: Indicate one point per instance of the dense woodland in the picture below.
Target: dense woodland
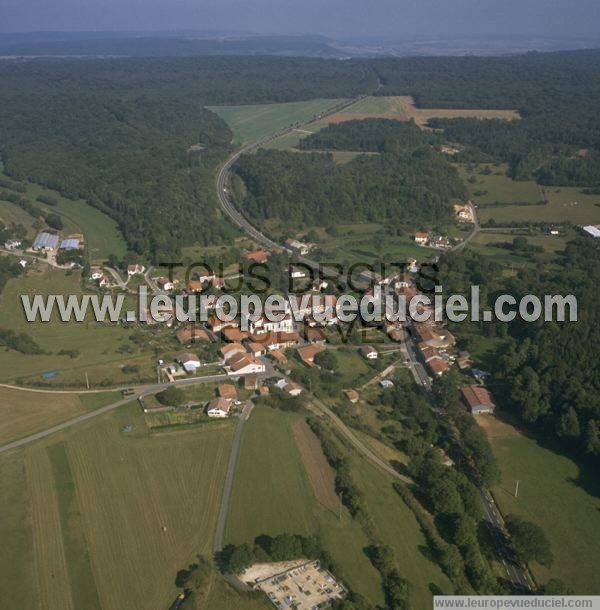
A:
(310, 189)
(547, 373)
(117, 131)
(369, 135)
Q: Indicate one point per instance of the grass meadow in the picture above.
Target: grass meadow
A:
(272, 494)
(252, 122)
(565, 203)
(23, 412)
(103, 347)
(555, 493)
(98, 518)
(100, 231)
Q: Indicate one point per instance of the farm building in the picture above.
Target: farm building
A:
(592, 230)
(478, 399)
(71, 243)
(45, 241)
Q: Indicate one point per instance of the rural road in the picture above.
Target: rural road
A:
(356, 443)
(144, 390)
(228, 486)
(517, 575)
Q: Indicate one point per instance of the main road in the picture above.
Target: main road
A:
(518, 575)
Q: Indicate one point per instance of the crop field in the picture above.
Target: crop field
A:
(23, 412)
(101, 518)
(272, 495)
(320, 474)
(555, 493)
(402, 108)
(101, 232)
(252, 122)
(103, 347)
(565, 203)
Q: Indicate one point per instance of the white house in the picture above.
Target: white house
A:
(297, 246)
(23, 263)
(12, 244)
(421, 238)
(165, 283)
(297, 272)
(264, 325)
(104, 282)
(293, 389)
(245, 364)
(190, 362)
(370, 353)
(219, 407)
(136, 269)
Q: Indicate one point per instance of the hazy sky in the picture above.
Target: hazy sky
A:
(336, 17)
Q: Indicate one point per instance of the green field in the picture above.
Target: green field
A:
(552, 494)
(565, 204)
(252, 122)
(100, 231)
(97, 518)
(272, 495)
(23, 412)
(491, 244)
(103, 347)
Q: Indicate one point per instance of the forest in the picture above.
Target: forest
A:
(118, 133)
(547, 373)
(369, 135)
(310, 189)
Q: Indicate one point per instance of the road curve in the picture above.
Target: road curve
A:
(518, 576)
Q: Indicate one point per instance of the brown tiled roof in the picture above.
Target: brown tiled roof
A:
(476, 395)
(227, 390)
(308, 352)
(191, 333)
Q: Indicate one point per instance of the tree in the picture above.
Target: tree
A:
(529, 541)
(54, 221)
(172, 396)
(327, 360)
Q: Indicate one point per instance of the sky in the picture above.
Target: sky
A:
(339, 18)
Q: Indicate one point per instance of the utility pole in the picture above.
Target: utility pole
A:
(517, 489)
(340, 511)
(87, 381)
